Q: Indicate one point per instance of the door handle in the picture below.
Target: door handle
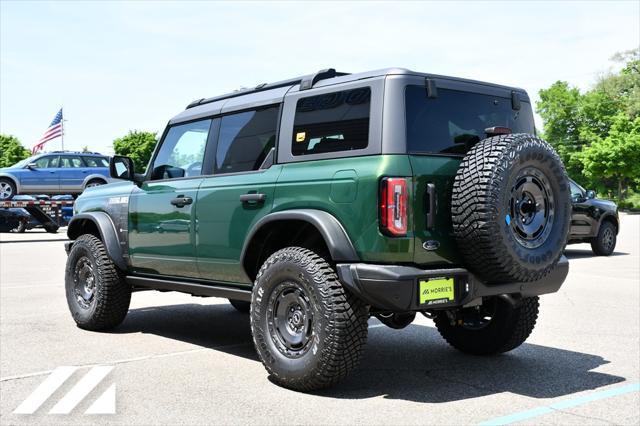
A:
(431, 214)
(253, 198)
(181, 201)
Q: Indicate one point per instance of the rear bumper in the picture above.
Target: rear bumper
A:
(396, 288)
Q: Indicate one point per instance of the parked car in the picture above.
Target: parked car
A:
(58, 172)
(316, 202)
(593, 220)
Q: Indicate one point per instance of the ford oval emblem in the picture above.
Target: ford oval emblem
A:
(431, 245)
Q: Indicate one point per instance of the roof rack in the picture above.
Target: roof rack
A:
(73, 152)
(306, 82)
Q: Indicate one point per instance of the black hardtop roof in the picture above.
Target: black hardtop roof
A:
(331, 76)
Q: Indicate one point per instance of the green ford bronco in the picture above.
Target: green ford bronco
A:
(317, 202)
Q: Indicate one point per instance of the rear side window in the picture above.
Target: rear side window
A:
(454, 121)
(96, 161)
(332, 122)
(246, 139)
(71, 162)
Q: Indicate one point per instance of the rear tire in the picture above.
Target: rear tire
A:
(507, 328)
(97, 293)
(511, 208)
(240, 305)
(309, 332)
(605, 242)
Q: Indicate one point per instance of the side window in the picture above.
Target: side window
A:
(182, 151)
(48, 161)
(246, 139)
(70, 162)
(332, 122)
(96, 162)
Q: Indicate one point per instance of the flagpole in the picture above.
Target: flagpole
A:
(62, 127)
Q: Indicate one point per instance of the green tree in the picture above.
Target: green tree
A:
(559, 107)
(616, 158)
(138, 145)
(11, 150)
(594, 131)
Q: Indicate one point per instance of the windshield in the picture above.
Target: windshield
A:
(454, 121)
(26, 161)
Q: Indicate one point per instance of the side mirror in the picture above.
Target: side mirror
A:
(32, 166)
(121, 167)
(591, 194)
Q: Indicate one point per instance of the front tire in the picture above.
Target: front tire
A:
(309, 332)
(97, 294)
(494, 327)
(605, 242)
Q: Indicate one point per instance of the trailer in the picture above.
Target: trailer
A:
(47, 212)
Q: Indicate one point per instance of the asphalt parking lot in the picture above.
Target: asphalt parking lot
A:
(180, 359)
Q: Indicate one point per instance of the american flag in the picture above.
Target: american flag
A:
(54, 131)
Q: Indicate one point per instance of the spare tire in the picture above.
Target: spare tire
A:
(511, 208)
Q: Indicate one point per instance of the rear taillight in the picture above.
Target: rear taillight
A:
(393, 206)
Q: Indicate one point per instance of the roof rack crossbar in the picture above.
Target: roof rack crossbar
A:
(306, 82)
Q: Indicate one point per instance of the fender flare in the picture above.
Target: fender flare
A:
(335, 237)
(107, 232)
(609, 216)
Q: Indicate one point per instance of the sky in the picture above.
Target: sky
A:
(116, 66)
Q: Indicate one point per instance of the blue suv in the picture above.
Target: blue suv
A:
(58, 172)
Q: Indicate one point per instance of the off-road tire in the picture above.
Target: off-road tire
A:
(338, 330)
(507, 330)
(482, 208)
(605, 242)
(112, 294)
(240, 305)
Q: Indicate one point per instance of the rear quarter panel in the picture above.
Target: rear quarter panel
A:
(348, 189)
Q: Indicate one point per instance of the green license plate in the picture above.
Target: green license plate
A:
(436, 291)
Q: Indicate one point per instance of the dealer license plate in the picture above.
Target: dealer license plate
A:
(436, 291)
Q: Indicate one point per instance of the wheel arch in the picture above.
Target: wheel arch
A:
(290, 228)
(609, 217)
(12, 178)
(93, 177)
(100, 225)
